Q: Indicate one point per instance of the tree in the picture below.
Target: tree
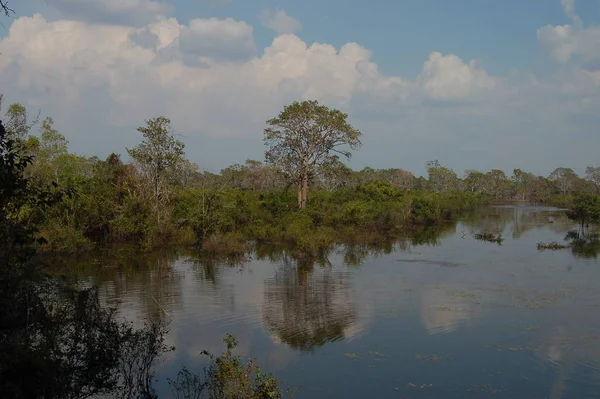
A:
(497, 184)
(4, 8)
(565, 179)
(306, 136)
(185, 171)
(404, 179)
(18, 124)
(47, 151)
(333, 176)
(57, 341)
(523, 183)
(441, 178)
(585, 210)
(474, 181)
(593, 174)
(158, 156)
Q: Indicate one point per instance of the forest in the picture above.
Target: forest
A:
(158, 197)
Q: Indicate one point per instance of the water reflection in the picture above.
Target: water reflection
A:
(573, 355)
(514, 221)
(525, 317)
(443, 312)
(306, 308)
(145, 286)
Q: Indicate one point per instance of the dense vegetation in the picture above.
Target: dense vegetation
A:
(58, 341)
(160, 197)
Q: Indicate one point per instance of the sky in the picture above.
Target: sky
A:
(474, 84)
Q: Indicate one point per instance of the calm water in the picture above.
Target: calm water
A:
(439, 316)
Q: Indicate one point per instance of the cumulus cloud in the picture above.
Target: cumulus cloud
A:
(448, 77)
(118, 12)
(148, 70)
(101, 80)
(279, 21)
(216, 39)
(570, 41)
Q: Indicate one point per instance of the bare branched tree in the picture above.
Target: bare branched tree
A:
(6, 10)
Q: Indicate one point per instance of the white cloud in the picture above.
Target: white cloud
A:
(448, 77)
(146, 71)
(100, 81)
(279, 21)
(118, 12)
(569, 7)
(566, 42)
(206, 40)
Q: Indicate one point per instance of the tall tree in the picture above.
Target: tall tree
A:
(306, 136)
(18, 123)
(157, 156)
(404, 179)
(474, 181)
(497, 184)
(565, 179)
(333, 176)
(524, 182)
(593, 174)
(441, 178)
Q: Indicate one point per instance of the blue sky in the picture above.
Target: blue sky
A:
(476, 84)
(402, 33)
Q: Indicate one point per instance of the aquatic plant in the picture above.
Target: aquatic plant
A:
(228, 376)
(489, 237)
(553, 246)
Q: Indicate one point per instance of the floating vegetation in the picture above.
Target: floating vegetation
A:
(552, 246)
(352, 355)
(432, 358)
(489, 237)
(501, 348)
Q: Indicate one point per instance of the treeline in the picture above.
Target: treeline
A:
(57, 340)
(160, 197)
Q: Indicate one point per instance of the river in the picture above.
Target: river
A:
(441, 315)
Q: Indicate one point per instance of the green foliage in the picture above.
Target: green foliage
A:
(441, 179)
(425, 209)
(133, 221)
(162, 198)
(307, 138)
(157, 156)
(229, 376)
(585, 210)
(57, 341)
(489, 237)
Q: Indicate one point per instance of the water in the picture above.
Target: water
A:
(438, 315)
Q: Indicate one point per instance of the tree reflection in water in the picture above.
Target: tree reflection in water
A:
(306, 307)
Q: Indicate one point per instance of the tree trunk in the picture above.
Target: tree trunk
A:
(303, 187)
(304, 190)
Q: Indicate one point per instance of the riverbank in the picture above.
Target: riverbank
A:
(223, 220)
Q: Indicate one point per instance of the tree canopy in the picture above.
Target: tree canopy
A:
(306, 136)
